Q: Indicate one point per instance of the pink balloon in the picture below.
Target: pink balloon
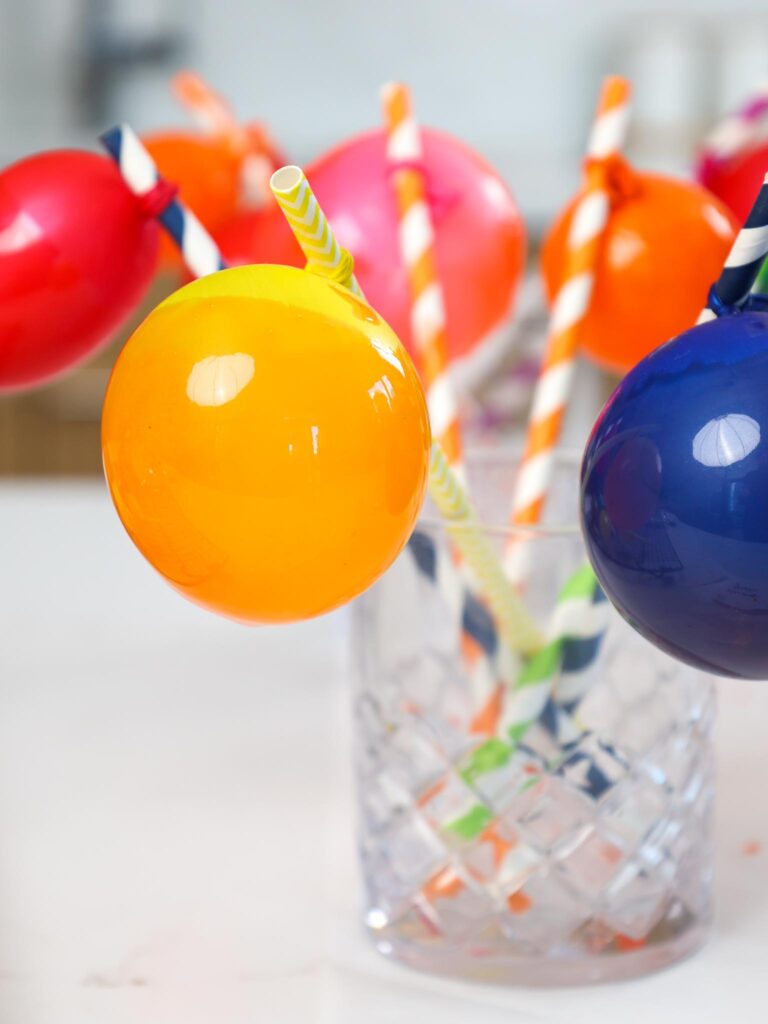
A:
(480, 238)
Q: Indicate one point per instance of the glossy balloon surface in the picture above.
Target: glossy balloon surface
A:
(675, 493)
(77, 255)
(266, 441)
(664, 247)
(737, 180)
(480, 237)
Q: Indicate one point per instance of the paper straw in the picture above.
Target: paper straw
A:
(215, 115)
(529, 697)
(433, 563)
(516, 625)
(416, 234)
(326, 257)
(572, 622)
(490, 666)
(576, 630)
(199, 251)
(572, 661)
(582, 640)
(576, 620)
(211, 111)
(744, 260)
(580, 616)
(552, 391)
(313, 232)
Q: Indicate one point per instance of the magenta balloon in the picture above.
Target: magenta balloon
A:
(480, 235)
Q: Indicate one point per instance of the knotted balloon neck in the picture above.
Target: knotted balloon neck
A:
(342, 273)
(613, 174)
(440, 201)
(159, 198)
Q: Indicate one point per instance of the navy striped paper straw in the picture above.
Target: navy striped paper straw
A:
(199, 251)
(744, 260)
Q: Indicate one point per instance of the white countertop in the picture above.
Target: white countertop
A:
(176, 839)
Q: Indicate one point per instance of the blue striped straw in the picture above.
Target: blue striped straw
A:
(199, 251)
(476, 621)
(744, 260)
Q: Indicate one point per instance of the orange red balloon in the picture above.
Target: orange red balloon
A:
(208, 170)
(266, 442)
(665, 244)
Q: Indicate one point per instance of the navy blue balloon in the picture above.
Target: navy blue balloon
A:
(674, 499)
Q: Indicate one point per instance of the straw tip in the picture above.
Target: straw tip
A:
(616, 89)
(111, 137)
(186, 77)
(395, 96)
(285, 179)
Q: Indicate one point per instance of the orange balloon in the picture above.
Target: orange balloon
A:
(207, 171)
(665, 244)
(266, 443)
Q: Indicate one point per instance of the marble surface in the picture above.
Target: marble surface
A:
(175, 817)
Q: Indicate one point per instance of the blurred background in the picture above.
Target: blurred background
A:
(516, 80)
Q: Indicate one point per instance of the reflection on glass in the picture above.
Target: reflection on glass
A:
(216, 380)
(726, 440)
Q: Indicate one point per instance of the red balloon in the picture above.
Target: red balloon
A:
(480, 237)
(735, 180)
(77, 254)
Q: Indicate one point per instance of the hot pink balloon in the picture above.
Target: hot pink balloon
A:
(480, 238)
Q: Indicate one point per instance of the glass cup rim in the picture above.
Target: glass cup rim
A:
(506, 454)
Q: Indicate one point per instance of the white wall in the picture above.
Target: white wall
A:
(515, 77)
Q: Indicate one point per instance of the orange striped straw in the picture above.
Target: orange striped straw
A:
(571, 305)
(417, 245)
(209, 108)
(405, 155)
(215, 115)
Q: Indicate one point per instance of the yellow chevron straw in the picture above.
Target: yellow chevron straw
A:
(313, 232)
(516, 625)
(327, 258)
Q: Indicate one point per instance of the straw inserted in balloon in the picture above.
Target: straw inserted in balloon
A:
(405, 154)
(326, 257)
(516, 625)
(571, 306)
(416, 236)
(211, 111)
(311, 228)
(215, 115)
(744, 260)
(199, 252)
(527, 700)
